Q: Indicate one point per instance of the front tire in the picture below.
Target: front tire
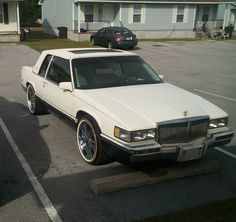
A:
(89, 141)
(35, 106)
(110, 45)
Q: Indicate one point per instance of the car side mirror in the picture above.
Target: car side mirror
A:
(162, 77)
(66, 86)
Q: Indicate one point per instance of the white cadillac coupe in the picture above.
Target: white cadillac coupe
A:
(122, 108)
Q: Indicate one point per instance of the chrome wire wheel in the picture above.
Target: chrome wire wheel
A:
(31, 99)
(87, 140)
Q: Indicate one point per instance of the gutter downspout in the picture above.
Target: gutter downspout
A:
(73, 16)
(78, 17)
(18, 17)
(225, 16)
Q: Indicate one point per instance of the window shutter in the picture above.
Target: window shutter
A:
(5, 13)
(174, 13)
(130, 13)
(143, 13)
(185, 14)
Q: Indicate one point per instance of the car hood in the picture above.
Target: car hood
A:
(143, 106)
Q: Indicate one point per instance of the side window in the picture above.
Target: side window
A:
(102, 31)
(180, 13)
(59, 70)
(205, 13)
(44, 66)
(137, 13)
(88, 13)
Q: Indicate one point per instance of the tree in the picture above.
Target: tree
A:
(30, 11)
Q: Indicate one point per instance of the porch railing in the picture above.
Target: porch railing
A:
(95, 25)
(92, 26)
(211, 24)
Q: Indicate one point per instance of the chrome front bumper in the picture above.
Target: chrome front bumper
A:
(180, 152)
(220, 138)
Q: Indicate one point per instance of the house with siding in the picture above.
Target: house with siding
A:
(9, 21)
(147, 19)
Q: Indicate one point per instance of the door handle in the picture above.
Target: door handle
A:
(44, 84)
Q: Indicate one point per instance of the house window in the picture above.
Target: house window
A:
(180, 13)
(1, 13)
(137, 11)
(88, 13)
(205, 13)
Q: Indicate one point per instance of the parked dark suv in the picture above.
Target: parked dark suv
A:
(114, 37)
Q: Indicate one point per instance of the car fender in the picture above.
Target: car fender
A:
(91, 113)
(31, 83)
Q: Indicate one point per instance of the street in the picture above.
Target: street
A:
(45, 146)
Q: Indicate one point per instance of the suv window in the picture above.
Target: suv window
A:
(59, 70)
(44, 66)
(122, 31)
(102, 31)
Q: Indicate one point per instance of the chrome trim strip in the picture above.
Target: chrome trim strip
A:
(134, 147)
(183, 120)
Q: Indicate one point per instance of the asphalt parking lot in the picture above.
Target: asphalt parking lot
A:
(48, 144)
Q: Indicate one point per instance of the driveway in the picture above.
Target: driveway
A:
(48, 143)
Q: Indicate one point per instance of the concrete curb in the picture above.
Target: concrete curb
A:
(140, 178)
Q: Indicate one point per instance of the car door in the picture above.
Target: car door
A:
(39, 83)
(101, 38)
(58, 71)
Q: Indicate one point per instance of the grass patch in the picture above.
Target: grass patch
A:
(41, 41)
(222, 211)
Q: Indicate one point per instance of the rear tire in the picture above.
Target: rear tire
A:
(92, 41)
(34, 104)
(89, 141)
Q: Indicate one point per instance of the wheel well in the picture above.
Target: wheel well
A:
(81, 114)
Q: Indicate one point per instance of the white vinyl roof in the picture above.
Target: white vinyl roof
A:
(72, 53)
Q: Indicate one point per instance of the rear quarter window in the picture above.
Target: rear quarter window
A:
(44, 66)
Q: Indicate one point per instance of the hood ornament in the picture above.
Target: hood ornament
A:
(185, 114)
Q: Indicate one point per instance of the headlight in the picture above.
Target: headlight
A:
(216, 123)
(134, 136)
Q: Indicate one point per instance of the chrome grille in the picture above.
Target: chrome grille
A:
(182, 130)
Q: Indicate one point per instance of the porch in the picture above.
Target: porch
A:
(94, 16)
(9, 37)
(9, 21)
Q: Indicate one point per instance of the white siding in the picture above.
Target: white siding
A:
(12, 26)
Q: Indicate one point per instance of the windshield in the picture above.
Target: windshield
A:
(102, 72)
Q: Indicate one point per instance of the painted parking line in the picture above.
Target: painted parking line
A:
(225, 152)
(51, 211)
(213, 94)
